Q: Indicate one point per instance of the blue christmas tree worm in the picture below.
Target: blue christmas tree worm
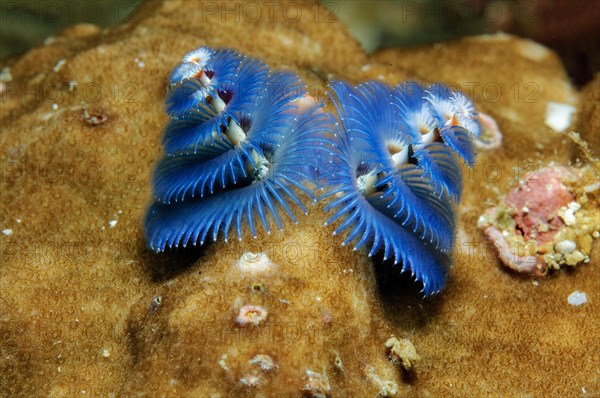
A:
(397, 174)
(236, 149)
(244, 141)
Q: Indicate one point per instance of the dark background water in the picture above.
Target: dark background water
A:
(570, 27)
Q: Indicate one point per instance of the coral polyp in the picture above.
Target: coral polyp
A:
(397, 175)
(236, 149)
(251, 315)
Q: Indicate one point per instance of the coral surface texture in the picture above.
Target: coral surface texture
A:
(87, 309)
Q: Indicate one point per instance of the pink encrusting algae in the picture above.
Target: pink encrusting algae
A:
(549, 220)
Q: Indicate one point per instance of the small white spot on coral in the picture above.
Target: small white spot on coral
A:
(565, 246)
(255, 263)
(532, 50)
(491, 136)
(387, 388)
(5, 75)
(112, 223)
(251, 315)
(510, 114)
(54, 106)
(251, 381)
(222, 363)
(264, 362)
(559, 116)
(59, 65)
(567, 214)
(311, 45)
(482, 221)
(500, 36)
(105, 352)
(577, 298)
(7, 231)
(592, 187)
(286, 41)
